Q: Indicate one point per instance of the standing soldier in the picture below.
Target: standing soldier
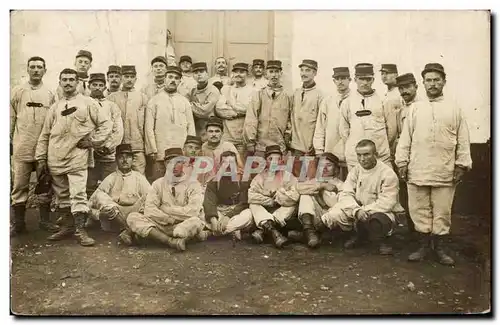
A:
(237, 99)
(220, 72)
(268, 116)
(187, 80)
(158, 68)
(132, 104)
(306, 103)
(259, 81)
(83, 63)
(169, 121)
(391, 102)
(104, 159)
(72, 126)
(326, 135)
(203, 98)
(29, 104)
(433, 154)
(363, 116)
(114, 75)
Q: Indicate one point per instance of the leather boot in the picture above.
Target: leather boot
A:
(67, 224)
(444, 258)
(126, 237)
(278, 239)
(359, 235)
(18, 224)
(309, 231)
(45, 223)
(80, 233)
(176, 243)
(419, 255)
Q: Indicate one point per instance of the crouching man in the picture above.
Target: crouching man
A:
(273, 197)
(122, 192)
(173, 211)
(317, 197)
(226, 196)
(367, 200)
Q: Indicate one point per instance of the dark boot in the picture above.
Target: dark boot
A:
(278, 239)
(45, 223)
(360, 235)
(295, 235)
(258, 236)
(67, 224)
(18, 225)
(444, 258)
(80, 233)
(126, 237)
(309, 231)
(424, 242)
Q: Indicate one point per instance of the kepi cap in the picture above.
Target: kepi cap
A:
(123, 148)
(161, 59)
(199, 66)
(363, 69)
(341, 72)
(309, 63)
(215, 121)
(129, 69)
(114, 69)
(331, 157)
(174, 69)
(240, 66)
(405, 79)
(389, 67)
(274, 64)
(436, 67)
(258, 62)
(172, 153)
(97, 76)
(272, 149)
(193, 139)
(84, 53)
(185, 58)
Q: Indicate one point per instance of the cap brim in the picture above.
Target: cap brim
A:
(273, 67)
(171, 157)
(408, 82)
(125, 151)
(432, 70)
(307, 65)
(234, 69)
(340, 75)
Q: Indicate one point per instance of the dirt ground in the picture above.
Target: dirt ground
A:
(214, 277)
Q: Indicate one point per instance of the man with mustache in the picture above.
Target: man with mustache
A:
(159, 69)
(121, 193)
(363, 116)
(432, 155)
(233, 110)
(187, 80)
(169, 120)
(29, 104)
(73, 126)
(306, 103)
(102, 162)
(83, 63)
(258, 81)
(173, 212)
(391, 102)
(367, 201)
(114, 76)
(326, 135)
(268, 116)
(202, 98)
(132, 104)
(220, 72)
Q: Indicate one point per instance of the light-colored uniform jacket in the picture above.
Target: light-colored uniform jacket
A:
(116, 135)
(326, 135)
(151, 89)
(133, 108)
(187, 84)
(206, 98)
(224, 79)
(306, 103)
(392, 102)
(259, 84)
(267, 119)
(60, 134)
(169, 121)
(434, 140)
(354, 128)
(26, 123)
(277, 189)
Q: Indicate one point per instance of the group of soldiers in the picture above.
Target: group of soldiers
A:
(355, 161)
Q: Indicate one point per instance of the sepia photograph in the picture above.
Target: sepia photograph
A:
(250, 162)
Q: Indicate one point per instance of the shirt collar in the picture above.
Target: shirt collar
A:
(437, 99)
(33, 87)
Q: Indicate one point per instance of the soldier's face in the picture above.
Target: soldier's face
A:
(239, 75)
(307, 74)
(388, 78)
(274, 76)
(329, 169)
(221, 65)
(159, 69)
(258, 70)
(172, 81)
(342, 83)
(82, 64)
(408, 92)
(185, 66)
(36, 70)
(434, 84)
(114, 80)
(367, 156)
(201, 76)
(97, 85)
(124, 162)
(178, 166)
(129, 80)
(68, 82)
(273, 158)
(364, 84)
(191, 149)
(214, 134)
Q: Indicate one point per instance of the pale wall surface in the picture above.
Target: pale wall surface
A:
(458, 40)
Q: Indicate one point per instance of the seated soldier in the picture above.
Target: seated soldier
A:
(122, 192)
(173, 210)
(367, 200)
(192, 150)
(273, 198)
(225, 197)
(317, 196)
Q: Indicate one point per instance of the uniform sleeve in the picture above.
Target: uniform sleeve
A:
(291, 101)
(344, 124)
(348, 190)
(117, 133)
(102, 120)
(144, 186)
(320, 130)
(252, 119)
(14, 103)
(42, 145)
(288, 195)
(390, 109)
(191, 130)
(210, 201)
(206, 109)
(258, 195)
(463, 157)
(149, 128)
(152, 205)
(240, 105)
(193, 206)
(101, 197)
(388, 195)
(59, 92)
(402, 157)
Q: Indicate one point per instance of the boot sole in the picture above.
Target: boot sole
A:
(60, 237)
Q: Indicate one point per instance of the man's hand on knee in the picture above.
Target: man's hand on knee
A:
(362, 215)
